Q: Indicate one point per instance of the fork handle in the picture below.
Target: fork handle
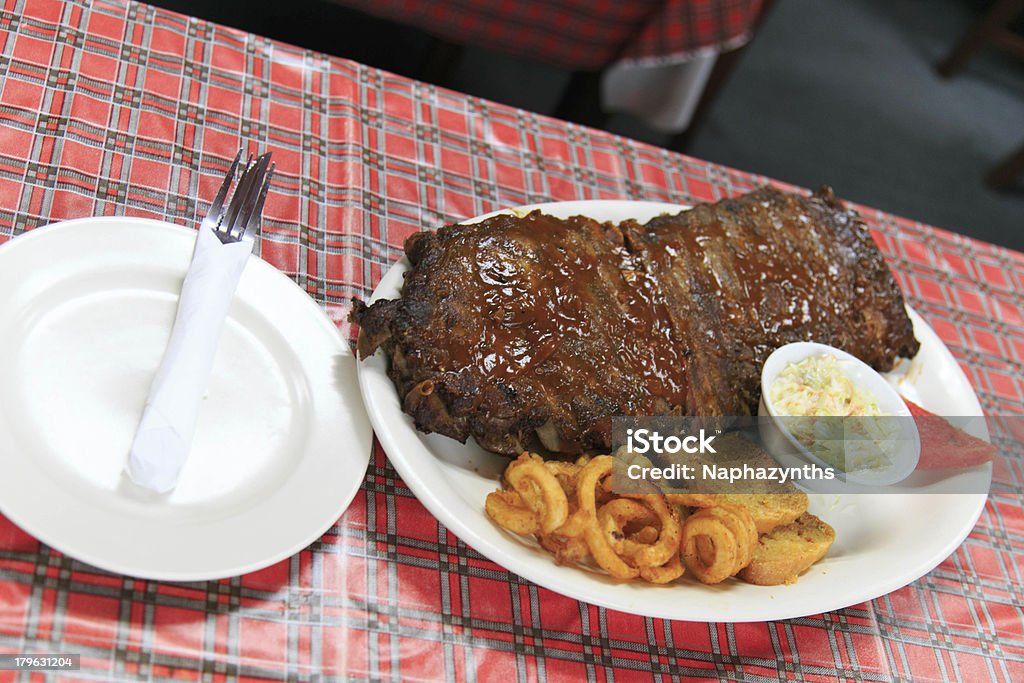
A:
(165, 432)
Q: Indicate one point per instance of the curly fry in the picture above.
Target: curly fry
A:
(666, 573)
(548, 500)
(709, 548)
(646, 535)
(742, 526)
(509, 511)
(643, 547)
(574, 514)
(669, 536)
(624, 513)
(595, 533)
(566, 550)
(566, 473)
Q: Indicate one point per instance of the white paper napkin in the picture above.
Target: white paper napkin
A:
(168, 422)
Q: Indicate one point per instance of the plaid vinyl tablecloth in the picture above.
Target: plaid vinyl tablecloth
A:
(578, 34)
(118, 108)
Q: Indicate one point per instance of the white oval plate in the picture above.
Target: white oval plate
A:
(86, 307)
(883, 541)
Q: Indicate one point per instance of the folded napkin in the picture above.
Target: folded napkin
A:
(168, 421)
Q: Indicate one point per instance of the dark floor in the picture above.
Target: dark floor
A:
(842, 92)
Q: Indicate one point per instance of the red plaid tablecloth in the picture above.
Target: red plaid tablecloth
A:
(115, 108)
(578, 34)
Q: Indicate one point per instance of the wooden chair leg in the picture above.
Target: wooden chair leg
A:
(441, 62)
(581, 101)
(990, 28)
(1008, 172)
(720, 73)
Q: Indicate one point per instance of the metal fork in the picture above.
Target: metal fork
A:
(165, 432)
(232, 224)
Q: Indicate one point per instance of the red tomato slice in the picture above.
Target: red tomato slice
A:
(943, 446)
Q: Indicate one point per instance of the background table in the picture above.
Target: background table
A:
(114, 108)
(656, 59)
(578, 34)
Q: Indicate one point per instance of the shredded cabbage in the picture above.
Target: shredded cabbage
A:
(807, 394)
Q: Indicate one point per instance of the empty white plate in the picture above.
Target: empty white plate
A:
(282, 444)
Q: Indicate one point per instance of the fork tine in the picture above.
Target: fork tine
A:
(218, 201)
(232, 209)
(248, 196)
(257, 210)
(242, 192)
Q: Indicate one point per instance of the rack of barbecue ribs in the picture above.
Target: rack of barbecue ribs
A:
(524, 329)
